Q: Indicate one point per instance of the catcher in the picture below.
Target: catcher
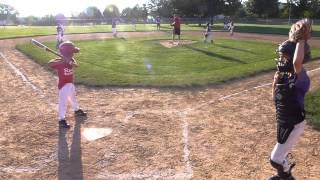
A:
(290, 85)
(64, 68)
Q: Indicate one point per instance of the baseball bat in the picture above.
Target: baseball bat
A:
(42, 46)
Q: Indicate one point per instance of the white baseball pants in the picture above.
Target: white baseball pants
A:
(280, 151)
(67, 93)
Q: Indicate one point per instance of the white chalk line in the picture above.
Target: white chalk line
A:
(19, 73)
(169, 174)
(188, 171)
(183, 115)
(42, 164)
(39, 165)
(26, 80)
(11, 169)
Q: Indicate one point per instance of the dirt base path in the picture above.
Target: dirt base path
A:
(218, 132)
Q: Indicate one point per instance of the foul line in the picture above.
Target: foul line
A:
(188, 174)
(183, 115)
(23, 77)
(26, 80)
(40, 165)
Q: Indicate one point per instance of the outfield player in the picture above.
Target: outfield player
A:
(231, 27)
(114, 27)
(158, 22)
(64, 68)
(176, 27)
(290, 85)
(208, 36)
(60, 33)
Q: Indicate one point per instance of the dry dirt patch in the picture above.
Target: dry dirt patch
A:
(172, 44)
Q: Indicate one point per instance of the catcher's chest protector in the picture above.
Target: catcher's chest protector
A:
(288, 110)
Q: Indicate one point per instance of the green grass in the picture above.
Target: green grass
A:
(312, 108)
(122, 62)
(24, 31)
(270, 29)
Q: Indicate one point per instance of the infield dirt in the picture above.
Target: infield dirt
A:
(167, 133)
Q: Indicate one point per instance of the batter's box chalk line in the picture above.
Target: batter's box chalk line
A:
(186, 174)
(26, 80)
(168, 174)
(42, 163)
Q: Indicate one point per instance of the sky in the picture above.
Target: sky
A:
(67, 7)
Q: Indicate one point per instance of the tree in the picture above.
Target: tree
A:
(301, 9)
(93, 12)
(231, 7)
(91, 15)
(135, 13)
(111, 11)
(307, 8)
(186, 7)
(162, 8)
(263, 8)
(8, 13)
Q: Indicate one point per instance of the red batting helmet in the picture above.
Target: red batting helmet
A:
(67, 49)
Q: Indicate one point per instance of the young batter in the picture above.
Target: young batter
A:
(64, 68)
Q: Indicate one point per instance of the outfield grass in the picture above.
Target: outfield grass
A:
(24, 31)
(312, 108)
(122, 62)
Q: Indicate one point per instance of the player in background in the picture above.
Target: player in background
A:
(134, 24)
(64, 68)
(114, 27)
(60, 33)
(208, 36)
(176, 27)
(158, 20)
(231, 27)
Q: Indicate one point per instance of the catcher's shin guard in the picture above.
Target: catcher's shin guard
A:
(281, 174)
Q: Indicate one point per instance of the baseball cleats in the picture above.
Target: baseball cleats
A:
(63, 124)
(287, 177)
(80, 112)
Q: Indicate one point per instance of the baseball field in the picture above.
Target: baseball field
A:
(193, 110)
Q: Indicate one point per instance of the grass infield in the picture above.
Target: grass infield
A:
(144, 62)
(24, 31)
(312, 108)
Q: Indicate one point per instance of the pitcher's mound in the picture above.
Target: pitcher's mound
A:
(171, 44)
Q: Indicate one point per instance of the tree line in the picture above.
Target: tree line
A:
(184, 8)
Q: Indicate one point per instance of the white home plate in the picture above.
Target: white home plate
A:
(92, 134)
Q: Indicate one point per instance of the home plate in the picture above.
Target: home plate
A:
(92, 134)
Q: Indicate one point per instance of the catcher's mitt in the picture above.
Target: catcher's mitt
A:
(301, 30)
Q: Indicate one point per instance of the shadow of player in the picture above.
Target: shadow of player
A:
(212, 54)
(70, 162)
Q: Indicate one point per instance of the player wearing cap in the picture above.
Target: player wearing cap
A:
(64, 67)
(176, 27)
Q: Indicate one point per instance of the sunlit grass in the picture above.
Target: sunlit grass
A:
(312, 108)
(144, 62)
(23, 31)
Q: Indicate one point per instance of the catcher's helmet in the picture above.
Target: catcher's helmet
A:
(67, 49)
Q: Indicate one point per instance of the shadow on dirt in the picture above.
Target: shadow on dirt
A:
(70, 162)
